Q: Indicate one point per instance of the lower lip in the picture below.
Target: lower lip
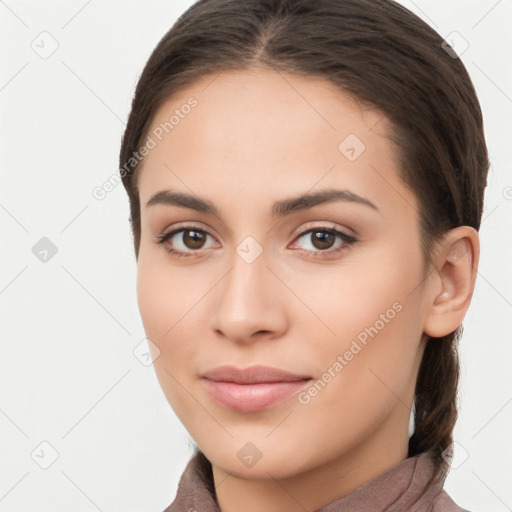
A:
(252, 397)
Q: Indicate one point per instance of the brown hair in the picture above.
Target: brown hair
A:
(383, 55)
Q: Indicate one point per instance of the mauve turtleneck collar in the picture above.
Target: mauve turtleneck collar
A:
(399, 489)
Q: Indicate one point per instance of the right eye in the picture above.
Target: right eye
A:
(191, 237)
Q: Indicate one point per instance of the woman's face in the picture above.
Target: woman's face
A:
(265, 279)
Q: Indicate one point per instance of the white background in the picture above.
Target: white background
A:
(69, 326)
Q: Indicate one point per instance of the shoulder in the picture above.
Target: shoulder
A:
(443, 503)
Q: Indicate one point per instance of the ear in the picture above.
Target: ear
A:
(452, 282)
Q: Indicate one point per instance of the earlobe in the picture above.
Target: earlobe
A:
(456, 262)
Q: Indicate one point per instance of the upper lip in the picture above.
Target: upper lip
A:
(251, 375)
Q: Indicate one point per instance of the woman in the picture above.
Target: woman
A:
(306, 183)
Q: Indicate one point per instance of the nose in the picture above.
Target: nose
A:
(249, 302)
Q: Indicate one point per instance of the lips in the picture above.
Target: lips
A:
(252, 389)
(251, 375)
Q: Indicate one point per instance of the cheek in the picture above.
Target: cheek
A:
(343, 301)
(152, 299)
(167, 300)
(363, 374)
(370, 319)
(161, 292)
(162, 302)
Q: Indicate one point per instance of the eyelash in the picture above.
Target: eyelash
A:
(347, 239)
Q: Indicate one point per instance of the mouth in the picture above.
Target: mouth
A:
(252, 389)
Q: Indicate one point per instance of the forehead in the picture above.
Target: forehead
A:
(261, 131)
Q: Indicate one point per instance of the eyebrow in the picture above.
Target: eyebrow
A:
(279, 209)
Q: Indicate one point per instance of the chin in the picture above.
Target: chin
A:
(258, 460)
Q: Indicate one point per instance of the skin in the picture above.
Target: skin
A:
(255, 137)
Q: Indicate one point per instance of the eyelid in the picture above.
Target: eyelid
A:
(187, 226)
(295, 233)
(322, 225)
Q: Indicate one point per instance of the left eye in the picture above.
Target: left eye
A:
(322, 239)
